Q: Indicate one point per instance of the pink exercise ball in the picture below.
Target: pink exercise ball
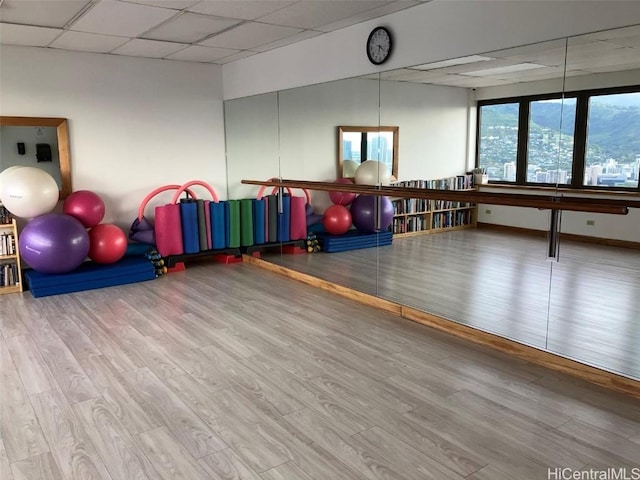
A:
(337, 219)
(342, 198)
(85, 206)
(107, 243)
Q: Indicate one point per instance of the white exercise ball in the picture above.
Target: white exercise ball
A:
(372, 172)
(28, 192)
(349, 168)
(4, 174)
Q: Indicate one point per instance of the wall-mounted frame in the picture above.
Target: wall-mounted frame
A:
(358, 144)
(62, 129)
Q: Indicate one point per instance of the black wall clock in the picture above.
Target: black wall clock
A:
(379, 45)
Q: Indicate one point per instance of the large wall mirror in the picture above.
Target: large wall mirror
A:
(496, 277)
(359, 144)
(26, 141)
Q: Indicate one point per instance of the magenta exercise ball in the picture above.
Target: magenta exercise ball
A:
(85, 206)
(342, 198)
(54, 243)
(108, 243)
(337, 219)
(371, 213)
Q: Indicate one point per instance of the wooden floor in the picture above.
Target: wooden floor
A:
(232, 372)
(585, 307)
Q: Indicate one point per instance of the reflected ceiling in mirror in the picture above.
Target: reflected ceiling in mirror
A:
(601, 52)
(34, 131)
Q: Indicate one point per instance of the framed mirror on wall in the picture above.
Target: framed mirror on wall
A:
(359, 144)
(41, 142)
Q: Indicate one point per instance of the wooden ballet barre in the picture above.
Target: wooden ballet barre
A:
(542, 202)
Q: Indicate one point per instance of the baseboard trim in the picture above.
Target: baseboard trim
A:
(563, 236)
(548, 360)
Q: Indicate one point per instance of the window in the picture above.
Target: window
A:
(498, 147)
(585, 139)
(612, 157)
(550, 141)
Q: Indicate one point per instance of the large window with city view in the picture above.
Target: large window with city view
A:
(579, 140)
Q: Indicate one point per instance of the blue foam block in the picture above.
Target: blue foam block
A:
(353, 240)
(89, 276)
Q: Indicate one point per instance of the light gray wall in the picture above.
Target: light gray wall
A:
(135, 123)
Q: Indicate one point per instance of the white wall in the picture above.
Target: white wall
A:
(135, 124)
(437, 30)
(433, 128)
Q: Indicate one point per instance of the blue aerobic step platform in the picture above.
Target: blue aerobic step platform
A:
(352, 240)
(89, 276)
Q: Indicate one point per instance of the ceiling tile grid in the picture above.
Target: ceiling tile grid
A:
(212, 31)
(223, 31)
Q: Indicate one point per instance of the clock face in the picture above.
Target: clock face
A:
(379, 45)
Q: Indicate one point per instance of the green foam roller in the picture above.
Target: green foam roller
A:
(233, 224)
(246, 222)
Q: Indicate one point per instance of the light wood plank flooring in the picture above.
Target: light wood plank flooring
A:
(585, 307)
(233, 372)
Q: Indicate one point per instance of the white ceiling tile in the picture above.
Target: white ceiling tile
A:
(249, 35)
(287, 41)
(244, 9)
(453, 62)
(173, 4)
(233, 58)
(189, 28)
(385, 9)
(148, 48)
(44, 13)
(11, 34)
(196, 53)
(113, 17)
(527, 52)
(87, 42)
(314, 13)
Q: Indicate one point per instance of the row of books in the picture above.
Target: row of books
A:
(452, 219)
(5, 215)
(459, 182)
(411, 205)
(8, 275)
(8, 244)
(409, 224)
(447, 205)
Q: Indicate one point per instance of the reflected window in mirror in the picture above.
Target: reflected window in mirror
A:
(359, 144)
(25, 141)
(585, 139)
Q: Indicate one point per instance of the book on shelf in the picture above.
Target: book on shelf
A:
(7, 244)
(8, 275)
(459, 182)
(5, 215)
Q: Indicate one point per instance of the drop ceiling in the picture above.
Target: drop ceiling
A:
(210, 31)
(221, 31)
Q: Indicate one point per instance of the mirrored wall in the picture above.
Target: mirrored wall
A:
(485, 266)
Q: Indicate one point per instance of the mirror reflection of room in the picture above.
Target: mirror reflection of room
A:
(541, 94)
(30, 146)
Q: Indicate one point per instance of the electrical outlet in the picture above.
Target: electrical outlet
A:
(591, 223)
(487, 211)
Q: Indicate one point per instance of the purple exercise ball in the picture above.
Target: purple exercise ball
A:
(364, 210)
(54, 243)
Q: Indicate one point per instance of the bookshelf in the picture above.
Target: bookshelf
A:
(413, 216)
(10, 271)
